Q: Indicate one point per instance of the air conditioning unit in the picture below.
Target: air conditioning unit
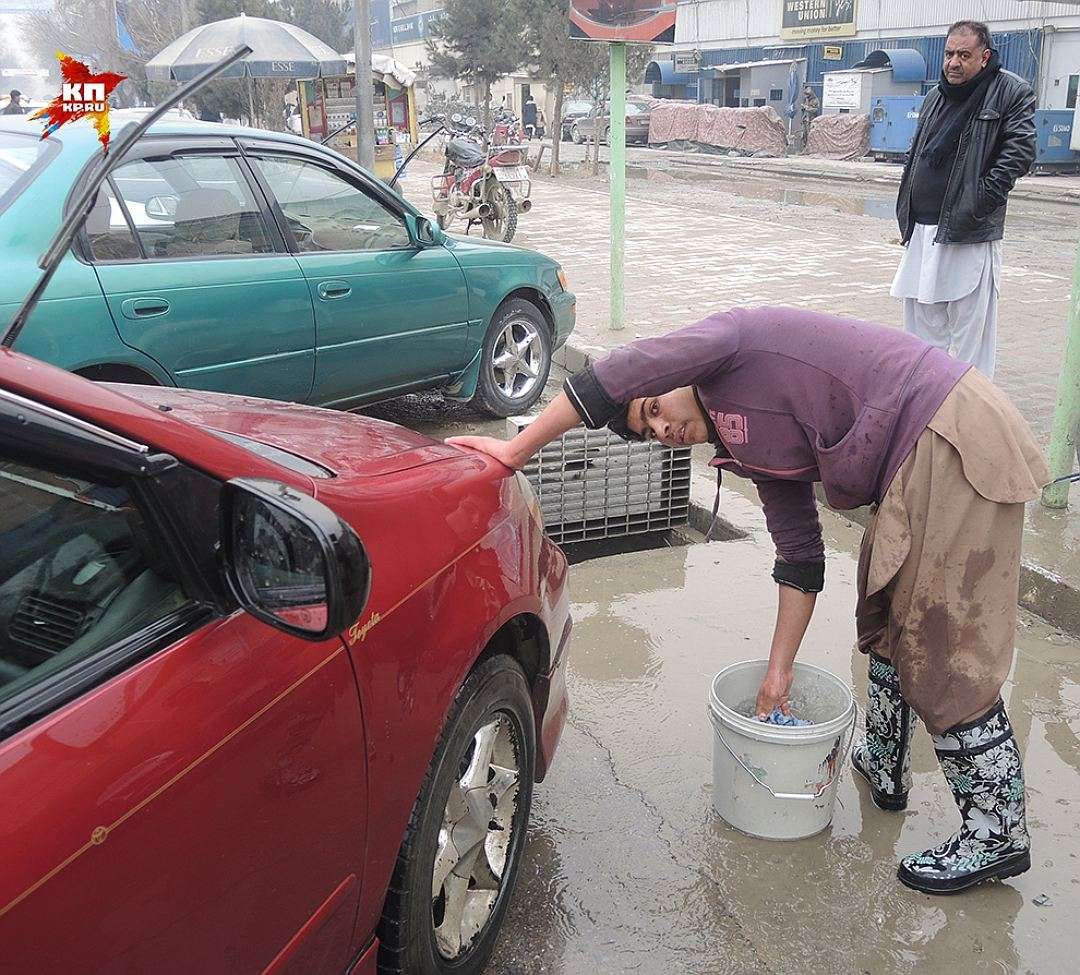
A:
(592, 484)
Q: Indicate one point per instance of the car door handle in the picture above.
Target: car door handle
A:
(136, 308)
(328, 290)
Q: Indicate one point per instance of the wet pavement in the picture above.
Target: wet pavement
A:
(628, 869)
(700, 242)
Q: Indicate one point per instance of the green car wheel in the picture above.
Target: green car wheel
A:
(515, 360)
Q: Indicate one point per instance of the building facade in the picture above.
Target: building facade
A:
(1040, 41)
(399, 28)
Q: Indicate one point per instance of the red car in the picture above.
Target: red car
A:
(275, 685)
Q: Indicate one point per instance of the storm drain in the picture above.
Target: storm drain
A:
(593, 485)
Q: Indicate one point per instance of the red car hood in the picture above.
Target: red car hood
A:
(344, 443)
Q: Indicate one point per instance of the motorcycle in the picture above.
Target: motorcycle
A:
(506, 129)
(482, 186)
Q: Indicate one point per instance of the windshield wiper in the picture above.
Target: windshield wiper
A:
(71, 225)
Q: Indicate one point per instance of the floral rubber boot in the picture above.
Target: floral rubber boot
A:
(883, 757)
(982, 765)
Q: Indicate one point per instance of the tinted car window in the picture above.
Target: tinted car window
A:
(192, 206)
(327, 213)
(79, 571)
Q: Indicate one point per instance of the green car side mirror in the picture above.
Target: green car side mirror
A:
(423, 232)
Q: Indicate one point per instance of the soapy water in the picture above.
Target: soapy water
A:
(799, 705)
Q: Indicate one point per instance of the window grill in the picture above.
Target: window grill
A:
(592, 484)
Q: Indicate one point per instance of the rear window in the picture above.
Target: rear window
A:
(22, 157)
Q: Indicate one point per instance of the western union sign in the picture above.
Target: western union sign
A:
(818, 18)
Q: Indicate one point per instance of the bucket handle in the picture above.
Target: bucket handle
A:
(783, 795)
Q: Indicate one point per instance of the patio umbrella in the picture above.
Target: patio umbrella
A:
(792, 91)
(278, 50)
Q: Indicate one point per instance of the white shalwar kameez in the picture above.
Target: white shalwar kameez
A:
(950, 294)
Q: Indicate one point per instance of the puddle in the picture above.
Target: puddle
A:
(630, 870)
(882, 206)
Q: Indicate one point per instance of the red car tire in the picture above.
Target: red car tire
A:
(417, 920)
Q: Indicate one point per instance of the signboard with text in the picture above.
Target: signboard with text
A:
(842, 90)
(409, 29)
(818, 18)
(687, 62)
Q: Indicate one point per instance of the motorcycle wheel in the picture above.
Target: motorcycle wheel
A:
(502, 224)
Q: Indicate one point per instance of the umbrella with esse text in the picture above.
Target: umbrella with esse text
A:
(278, 50)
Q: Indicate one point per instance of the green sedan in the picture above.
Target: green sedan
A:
(231, 259)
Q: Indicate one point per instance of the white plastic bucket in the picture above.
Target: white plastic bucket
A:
(772, 781)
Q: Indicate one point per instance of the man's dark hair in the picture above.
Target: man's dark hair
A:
(619, 424)
(976, 27)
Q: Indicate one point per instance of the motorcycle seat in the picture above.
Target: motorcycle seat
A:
(464, 152)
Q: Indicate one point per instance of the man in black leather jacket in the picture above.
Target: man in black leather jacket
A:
(976, 137)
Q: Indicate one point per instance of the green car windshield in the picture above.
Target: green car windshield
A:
(21, 159)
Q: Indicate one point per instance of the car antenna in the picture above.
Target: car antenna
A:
(71, 225)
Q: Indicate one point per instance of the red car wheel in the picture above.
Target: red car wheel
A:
(458, 864)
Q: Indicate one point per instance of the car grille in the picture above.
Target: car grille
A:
(45, 624)
(592, 484)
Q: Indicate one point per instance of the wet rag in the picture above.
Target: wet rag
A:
(786, 720)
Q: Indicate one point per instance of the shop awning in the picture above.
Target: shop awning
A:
(662, 72)
(723, 68)
(907, 64)
(388, 67)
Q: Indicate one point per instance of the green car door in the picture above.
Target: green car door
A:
(389, 314)
(196, 274)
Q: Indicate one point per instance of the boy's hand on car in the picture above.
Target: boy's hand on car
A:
(499, 449)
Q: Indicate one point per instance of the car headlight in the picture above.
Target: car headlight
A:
(561, 275)
(531, 500)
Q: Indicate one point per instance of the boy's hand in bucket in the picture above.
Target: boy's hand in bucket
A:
(774, 691)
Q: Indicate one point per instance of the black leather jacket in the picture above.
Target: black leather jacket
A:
(996, 148)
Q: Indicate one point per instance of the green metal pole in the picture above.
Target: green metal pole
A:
(1067, 412)
(617, 179)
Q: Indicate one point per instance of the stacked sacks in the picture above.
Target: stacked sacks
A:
(673, 122)
(756, 130)
(749, 130)
(839, 136)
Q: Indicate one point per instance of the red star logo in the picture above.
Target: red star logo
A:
(83, 94)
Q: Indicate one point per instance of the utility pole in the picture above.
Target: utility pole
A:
(365, 114)
(617, 179)
(1065, 435)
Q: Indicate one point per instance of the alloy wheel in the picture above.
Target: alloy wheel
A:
(475, 836)
(517, 358)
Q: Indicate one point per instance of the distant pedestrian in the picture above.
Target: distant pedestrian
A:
(811, 108)
(14, 105)
(976, 137)
(528, 117)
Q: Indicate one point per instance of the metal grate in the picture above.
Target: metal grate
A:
(593, 484)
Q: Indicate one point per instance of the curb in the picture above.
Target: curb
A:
(1042, 591)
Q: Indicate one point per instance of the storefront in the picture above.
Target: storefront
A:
(328, 110)
(1039, 42)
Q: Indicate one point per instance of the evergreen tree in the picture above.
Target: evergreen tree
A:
(478, 42)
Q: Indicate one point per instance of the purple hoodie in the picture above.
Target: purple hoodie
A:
(795, 397)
